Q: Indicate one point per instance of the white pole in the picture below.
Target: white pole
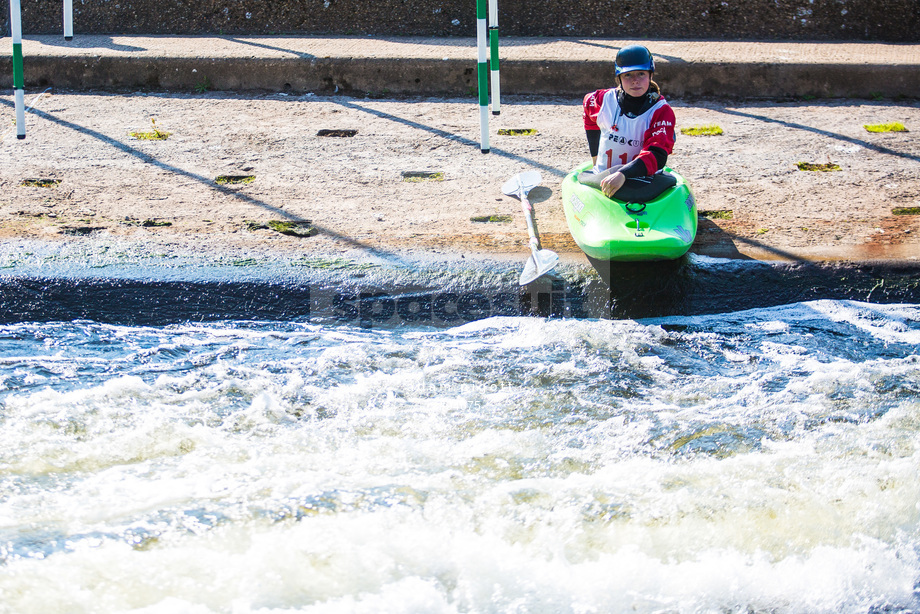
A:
(18, 81)
(68, 20)
(493, 62)
(482, 75)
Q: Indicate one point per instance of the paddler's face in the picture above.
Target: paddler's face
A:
(636, 82)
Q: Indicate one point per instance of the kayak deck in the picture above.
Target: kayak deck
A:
(663, 228)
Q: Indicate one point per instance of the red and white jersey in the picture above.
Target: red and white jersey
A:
(623, 138)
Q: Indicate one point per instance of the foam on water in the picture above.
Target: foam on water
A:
(754, 461)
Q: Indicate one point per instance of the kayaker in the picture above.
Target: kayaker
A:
(630, 128)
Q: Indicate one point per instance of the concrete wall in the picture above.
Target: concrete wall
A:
(874, 20)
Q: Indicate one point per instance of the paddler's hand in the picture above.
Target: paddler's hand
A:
(611, 183)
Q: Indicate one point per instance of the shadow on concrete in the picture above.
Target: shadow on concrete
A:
(711, 239)
(357, 106)
(94, 41)
(298, 54)
(847, 139)
(597, 44)
(539, 194)
(714, 241)
(386, 255)
(780, 254)
(673, 59)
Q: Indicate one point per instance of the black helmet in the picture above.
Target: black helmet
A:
(634, 57)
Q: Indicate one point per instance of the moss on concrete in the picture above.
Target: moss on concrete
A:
(234, 179)
(889, 127)
(721, 214)
(708, 130)
(495, 218)
(821, 168)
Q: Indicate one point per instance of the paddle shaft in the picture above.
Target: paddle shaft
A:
(541, 261)
(528, 215)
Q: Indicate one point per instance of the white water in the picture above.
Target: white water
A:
(762, 461)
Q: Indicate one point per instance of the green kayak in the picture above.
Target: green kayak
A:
(655, 220)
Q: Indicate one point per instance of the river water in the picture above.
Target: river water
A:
(757, 461)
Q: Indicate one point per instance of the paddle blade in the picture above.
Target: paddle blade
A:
(522, 182)
(530, 271)
(541, 261)
(546, 260)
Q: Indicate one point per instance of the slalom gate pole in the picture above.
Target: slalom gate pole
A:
(493, 62)
(18, 81)
(68, 20)
(482, 75)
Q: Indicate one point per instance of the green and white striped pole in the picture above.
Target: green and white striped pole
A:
(482, 75)
(18, 81)
(493, 61)
(68, 20)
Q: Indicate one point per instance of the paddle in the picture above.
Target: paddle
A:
(541, 261)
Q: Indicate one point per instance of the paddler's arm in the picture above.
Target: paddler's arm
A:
(591, 106)
(612, 183)
(636, 168)
(594, 143)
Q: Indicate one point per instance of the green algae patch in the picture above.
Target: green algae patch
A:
(337, 133)
(518, 131)
(721, 214)
(154, 135)
(150, 223)
(151, 135)
(417, 176)
(497, 218)
(820, 168)
(293, 229)
(234, 179)
(889, 127)
(707, 130)
(40, 183)
(80, 231)
(333, 264)
(290, 228)
(906, 211)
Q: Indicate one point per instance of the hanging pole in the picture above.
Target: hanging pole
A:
(68, 20)
(482, 75)
(493, 62)
(18, 81)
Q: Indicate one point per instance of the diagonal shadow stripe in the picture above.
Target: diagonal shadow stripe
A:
(148, 159)
(780, 253)
(450, 136)
(848, 139)
(300, 54)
